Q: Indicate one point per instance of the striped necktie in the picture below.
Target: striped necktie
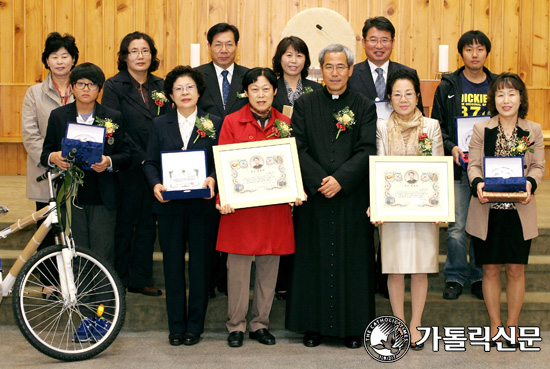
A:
(225, 87)
(380, 84)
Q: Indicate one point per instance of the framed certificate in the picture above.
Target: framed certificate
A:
(411, 189)
(183, 174)
(258, 173)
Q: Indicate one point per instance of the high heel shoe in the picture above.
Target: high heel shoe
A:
(49, 293)
(417, 346)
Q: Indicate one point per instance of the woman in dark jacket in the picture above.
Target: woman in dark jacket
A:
(131, 92)
(190, 221)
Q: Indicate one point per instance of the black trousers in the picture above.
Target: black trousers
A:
(198, 231)
(135, 232)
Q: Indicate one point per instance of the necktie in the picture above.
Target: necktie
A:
(225, 87)
(380, 84)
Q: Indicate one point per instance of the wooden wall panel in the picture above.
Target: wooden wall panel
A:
(519, 31)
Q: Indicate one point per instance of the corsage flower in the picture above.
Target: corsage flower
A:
(160, 99)
(425, 144)
(345, 119)
(522, 146)
(205, 127)
(281, 129)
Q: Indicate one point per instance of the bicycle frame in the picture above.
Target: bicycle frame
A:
(64, 265)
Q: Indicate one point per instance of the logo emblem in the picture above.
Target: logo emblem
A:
(387, 339)
(450, 96)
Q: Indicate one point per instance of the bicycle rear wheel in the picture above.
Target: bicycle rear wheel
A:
(52, 324)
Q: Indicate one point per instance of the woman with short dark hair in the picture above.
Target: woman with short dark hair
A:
(138, 95)
(263, 232)
(192, 222)
(502, 231)
(60, 56)
(408, 247)
(291, 63)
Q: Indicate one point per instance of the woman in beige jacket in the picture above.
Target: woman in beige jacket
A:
(502, 232)
(60, 56)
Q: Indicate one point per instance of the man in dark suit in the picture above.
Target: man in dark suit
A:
(369, 77)
(223, 79)
(222, 75)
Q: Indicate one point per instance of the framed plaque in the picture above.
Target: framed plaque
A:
(411, 189)
(183, 174)
(258, 173)
(465, 130)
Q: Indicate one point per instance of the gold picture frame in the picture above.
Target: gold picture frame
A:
(411, 189)
(258, 173)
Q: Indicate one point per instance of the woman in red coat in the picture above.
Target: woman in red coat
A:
(262, 232)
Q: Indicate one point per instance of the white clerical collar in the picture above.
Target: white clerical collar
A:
(219, 69)
(335, 97)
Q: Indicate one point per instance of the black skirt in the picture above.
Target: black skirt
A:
(504, 243)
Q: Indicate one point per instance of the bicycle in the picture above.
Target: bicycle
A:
(67, 301)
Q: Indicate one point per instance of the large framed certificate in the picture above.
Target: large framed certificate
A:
(258, 173)
(411, 189)
(183, 174)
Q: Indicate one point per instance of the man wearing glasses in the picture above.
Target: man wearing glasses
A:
(369, 78)
(332, 291)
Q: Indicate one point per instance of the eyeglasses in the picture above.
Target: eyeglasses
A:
(408, 96)
(384, 41)
(180, 89)
(339, 68)
(91, 86)
(220, 45)
(136, 52)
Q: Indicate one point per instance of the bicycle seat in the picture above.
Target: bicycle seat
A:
(3, 210)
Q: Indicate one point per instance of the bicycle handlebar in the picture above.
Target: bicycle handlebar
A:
(70, 158)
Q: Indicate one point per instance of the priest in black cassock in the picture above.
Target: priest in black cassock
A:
(332, 292)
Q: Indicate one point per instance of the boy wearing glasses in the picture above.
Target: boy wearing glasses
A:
(94, 217)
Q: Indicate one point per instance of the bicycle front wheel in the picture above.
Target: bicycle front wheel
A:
(56, 326)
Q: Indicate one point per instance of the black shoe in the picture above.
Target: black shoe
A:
(175, 339)
(263, 336)
(281, 295)
(190, 339)
(312, 339)
(147, 291)
(353, 342)
(477, 290)
(235, 339)
(417, 346)
(452, 290)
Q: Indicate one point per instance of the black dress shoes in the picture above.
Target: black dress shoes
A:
(190, 339)
(353, 342)
(147, 291)
(312, 339)
(452, 290)
(235, 339)
(263, 336)
(175, 339)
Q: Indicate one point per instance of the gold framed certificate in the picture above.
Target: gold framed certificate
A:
(411, 189)
(258, 173)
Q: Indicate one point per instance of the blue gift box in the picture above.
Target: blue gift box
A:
(181, 160)
(88, 151)
(502, 174)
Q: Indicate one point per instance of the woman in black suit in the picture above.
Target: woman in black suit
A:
(192, 221)
(290, 63)
(130, 91)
